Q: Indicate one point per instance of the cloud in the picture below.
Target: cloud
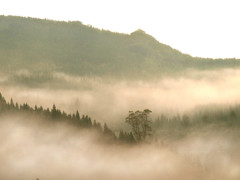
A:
(110, 99)
(31, 149)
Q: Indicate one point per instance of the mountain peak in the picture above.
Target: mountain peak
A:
(73, 48)
(139, 31)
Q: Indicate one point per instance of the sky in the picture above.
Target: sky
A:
(203, 28)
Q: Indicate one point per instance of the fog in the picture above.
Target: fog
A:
(109, 100)
(31, 149)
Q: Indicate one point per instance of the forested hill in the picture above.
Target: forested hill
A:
(71, 47)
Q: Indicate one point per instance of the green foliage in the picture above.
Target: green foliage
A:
(108, 132)
(43, 46)
(56, 115)
(125, 137)
(2, 102)
(140, 124)
(214, 119)
(97, 125)
(224, 119)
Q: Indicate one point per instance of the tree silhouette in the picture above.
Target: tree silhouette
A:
(140, 123)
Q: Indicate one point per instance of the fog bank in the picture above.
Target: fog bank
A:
(30, 150)
(109, 100)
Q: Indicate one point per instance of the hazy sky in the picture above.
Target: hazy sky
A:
(206, 28)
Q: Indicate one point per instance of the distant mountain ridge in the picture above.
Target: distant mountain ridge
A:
(41, 46)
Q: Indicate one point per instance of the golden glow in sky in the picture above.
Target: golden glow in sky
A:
(205, 28)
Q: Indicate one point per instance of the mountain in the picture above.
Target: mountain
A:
(43, 46)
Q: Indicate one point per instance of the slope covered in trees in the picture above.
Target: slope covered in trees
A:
(44, 46)
(55, 115)
(206, 121)
(203, 121)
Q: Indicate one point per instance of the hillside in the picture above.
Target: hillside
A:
(44, 46)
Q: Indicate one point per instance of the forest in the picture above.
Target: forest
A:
(42, 47)
(177, 126)
(55, 115)
(78, 102)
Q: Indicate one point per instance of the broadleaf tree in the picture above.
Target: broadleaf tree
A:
(140, 124)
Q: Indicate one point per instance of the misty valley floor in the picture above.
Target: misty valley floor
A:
(200, 143)
(30, 150)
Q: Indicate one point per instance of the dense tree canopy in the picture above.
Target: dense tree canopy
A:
(165, 126)
(55, 115)
(44, 46)
(140, 124)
